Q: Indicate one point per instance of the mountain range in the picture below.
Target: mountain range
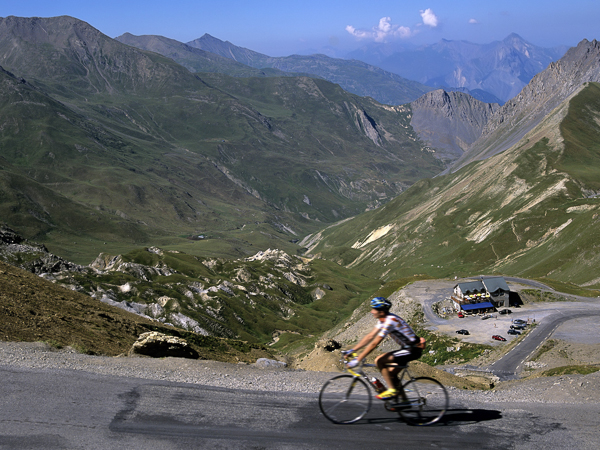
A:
(353, 76)
(106, 144)
(492, 73)
(546, 91)
(500, 68)
(530, 210)
(109, 144)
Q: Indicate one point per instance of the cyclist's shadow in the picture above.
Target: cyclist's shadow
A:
(453, 417)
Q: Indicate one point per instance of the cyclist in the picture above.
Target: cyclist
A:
(394, 326)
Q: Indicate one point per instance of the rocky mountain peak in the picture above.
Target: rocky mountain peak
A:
(515, 40)
(450, 121)
(63, 49)
(545, 91)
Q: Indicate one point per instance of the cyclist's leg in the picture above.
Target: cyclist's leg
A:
(390, 368)
(403, 357)
(390, 364)
(382, 362)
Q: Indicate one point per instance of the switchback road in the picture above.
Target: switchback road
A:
(508, 367)
(511, 364)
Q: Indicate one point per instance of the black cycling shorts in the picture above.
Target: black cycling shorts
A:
(404, 355)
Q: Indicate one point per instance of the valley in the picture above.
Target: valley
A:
(253, 205)
(142, 151)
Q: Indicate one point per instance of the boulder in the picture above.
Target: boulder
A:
(329, 345)
(318, 293)
(159, 345)
(264, 363)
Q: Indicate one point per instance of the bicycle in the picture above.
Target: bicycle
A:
(347, 398)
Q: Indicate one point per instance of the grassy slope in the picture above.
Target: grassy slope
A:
(70, 179)
(524, 212)
(140, 143)
(32, 310)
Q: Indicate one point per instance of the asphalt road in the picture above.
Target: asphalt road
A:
(511, 364)
(66, 409)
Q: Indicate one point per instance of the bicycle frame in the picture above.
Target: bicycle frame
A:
(346, 398)
(404, 373)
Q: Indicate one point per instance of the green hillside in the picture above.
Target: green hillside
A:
(353, 76)
(136, 149)
(198, 60)
(531, 211)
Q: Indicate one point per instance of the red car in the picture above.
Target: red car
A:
(498, 338)
(460, 315)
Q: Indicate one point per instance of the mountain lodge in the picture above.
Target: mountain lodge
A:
(481, 295)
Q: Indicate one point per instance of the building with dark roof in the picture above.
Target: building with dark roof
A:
(481, 295)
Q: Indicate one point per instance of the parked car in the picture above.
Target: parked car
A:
(462, 331)
(519, 322)
(505, 311)
(461, 315)
(498, 337)
(517, 327)
(487, 316)
(513, 331)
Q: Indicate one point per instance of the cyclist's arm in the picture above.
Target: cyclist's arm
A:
(364, 341)
(371, 345)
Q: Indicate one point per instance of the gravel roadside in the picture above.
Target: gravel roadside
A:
(40, 356)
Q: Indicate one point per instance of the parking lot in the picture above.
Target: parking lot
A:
(481, 330)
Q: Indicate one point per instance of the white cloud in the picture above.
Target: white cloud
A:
(474, 21)
(385, 31)
(382, 32)
(429, 18)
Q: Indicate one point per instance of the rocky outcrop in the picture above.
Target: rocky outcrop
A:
(110, 263)
(329, 345)
(265, 363)
(30, 256)
(449, 122)
(158, 345)
(204, 302)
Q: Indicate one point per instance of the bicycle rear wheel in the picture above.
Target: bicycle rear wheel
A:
(428, 399)
(345, 399)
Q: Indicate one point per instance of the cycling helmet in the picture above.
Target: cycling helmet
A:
(380, 303)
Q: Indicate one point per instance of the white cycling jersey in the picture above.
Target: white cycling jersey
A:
(395, 327)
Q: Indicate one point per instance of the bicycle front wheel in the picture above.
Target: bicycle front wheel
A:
(428, 401)
(345, 399)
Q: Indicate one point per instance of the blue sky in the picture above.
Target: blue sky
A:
(283, 27)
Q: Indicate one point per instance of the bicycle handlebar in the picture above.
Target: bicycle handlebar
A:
(362, 363)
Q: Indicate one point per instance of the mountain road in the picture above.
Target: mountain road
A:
(545, 316)
(69, 409)
(509, 366)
